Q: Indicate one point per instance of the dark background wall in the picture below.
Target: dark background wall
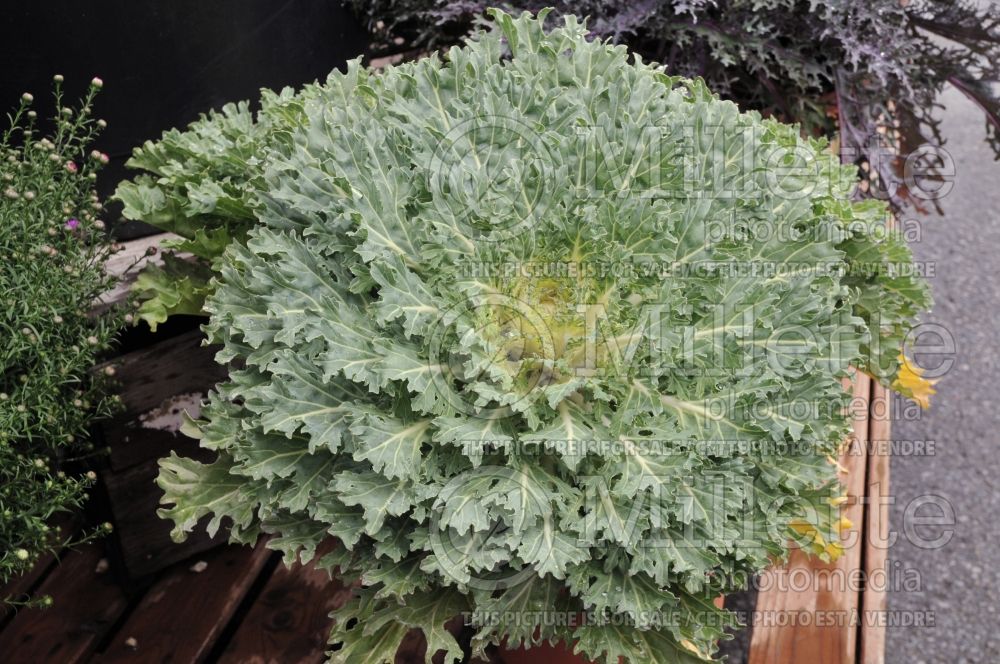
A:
(165, 61)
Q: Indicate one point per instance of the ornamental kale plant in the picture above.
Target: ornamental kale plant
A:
(197, 184)
(54, 248)
(876, 63)
(537, 328)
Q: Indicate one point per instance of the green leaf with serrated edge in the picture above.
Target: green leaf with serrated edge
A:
(295, 537)
(660, 648)
(677, 554)
(354, 640)
(345, 523)
(404, 295)
(650, 463)
(391, 445)
(474, 436)
(508, 614)
(611, 517)
(635, 595)
(397, 579)
(609, 644)
(568, 434)
(552, 549)
(192, 490)
(459, 557)
(296, 400)
(178, 286)
(393, 542)
(377, 495)
(429, 612)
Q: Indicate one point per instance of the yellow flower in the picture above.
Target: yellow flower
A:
(835, 551)
(910, 382)
(801, 527)
(844, 524)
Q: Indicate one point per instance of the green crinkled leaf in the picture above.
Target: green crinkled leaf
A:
(376, 494)
(498, 615)
(429, 612)
(179, 286)
(474, 436)
(193, 490)
(205, 243)
(355, 640)
(397, 579)
(390, 445)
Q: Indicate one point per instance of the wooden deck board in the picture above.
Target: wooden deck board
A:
(290, 621)
(20, 589)
(86, 606)
(182, 615)
(127, 264)
(141, 544)
(160, 382)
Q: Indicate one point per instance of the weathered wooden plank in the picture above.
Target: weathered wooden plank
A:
(806, 610)
(289, 622)
(875, 601)
(159, 384)
(126, 265)
(86, 604)
(141, 543)
(559, 653)
(20, 588)
(182, 615)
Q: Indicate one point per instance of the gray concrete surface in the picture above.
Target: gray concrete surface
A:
(960, 579)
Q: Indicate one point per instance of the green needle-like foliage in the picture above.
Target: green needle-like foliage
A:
(53, 248)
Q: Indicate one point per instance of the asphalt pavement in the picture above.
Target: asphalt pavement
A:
(944, 587)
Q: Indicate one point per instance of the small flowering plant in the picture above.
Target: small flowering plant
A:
(54, 247)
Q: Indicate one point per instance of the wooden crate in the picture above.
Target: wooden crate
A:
(852, 628)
